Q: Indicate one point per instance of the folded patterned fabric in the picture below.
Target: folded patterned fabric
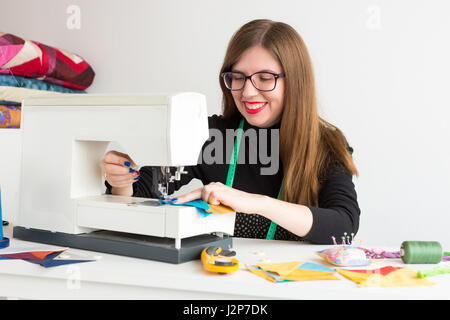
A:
(16, 81)
(9, 116)
(32, 59)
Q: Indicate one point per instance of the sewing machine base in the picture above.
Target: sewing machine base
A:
(126, 244)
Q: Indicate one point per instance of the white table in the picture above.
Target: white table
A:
(117, 277)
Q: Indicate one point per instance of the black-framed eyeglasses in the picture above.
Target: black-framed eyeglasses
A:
(263, 81)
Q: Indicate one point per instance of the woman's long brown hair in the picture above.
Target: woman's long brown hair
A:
(307, 141)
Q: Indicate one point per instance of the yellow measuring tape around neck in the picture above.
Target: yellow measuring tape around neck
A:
(232, 170)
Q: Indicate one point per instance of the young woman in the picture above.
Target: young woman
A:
(268, 84)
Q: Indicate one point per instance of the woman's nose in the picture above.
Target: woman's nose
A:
(249, 89)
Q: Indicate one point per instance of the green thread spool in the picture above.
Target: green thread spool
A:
(421, 252)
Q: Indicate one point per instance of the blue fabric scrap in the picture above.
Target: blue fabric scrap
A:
(29, 83)
(50, 261)
(200, 205)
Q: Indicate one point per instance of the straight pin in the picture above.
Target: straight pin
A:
(334, 240)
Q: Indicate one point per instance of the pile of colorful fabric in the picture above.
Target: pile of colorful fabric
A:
(29, 68)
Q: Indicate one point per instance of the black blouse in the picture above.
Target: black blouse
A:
(338, 209)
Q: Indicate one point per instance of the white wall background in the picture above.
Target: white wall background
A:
(382, 69)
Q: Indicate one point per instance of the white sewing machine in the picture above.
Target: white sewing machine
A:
(62, 198)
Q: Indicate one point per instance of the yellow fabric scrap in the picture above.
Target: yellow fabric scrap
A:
(289, 271)
(357, 277)
(405, 277)
(260, 273)
(305, 275)
(221, 208)
(282, 269)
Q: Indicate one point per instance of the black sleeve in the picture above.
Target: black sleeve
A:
(338, 209)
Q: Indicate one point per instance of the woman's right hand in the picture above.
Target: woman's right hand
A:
(117, 168)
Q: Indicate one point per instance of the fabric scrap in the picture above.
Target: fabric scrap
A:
(282, 269)
(200, 205)
(51, 261)
(375, 253)
(204, 208)
(32, 256)
(386, 277)
(46, 259)
(10, 116)
(292, 271)
(221, 208)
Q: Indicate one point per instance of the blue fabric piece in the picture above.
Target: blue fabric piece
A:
(275, 276)
(203, 213)
(54, 263)
(315, 266)
(22, 82)
(50, 261)
(200, 205)
(272, 274)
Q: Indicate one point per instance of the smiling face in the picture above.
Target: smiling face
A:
(259, 108)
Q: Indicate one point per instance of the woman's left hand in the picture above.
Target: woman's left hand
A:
(217, 193)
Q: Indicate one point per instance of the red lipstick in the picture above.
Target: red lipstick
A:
(254, 111)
